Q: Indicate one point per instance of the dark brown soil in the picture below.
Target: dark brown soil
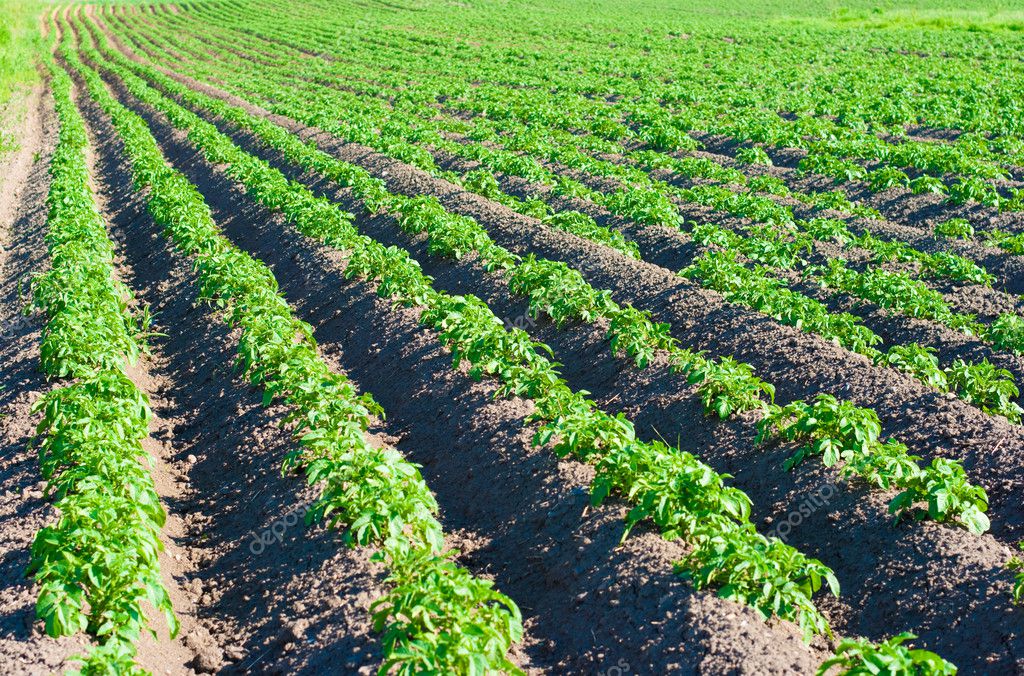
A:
(593, 604)
(918, 553)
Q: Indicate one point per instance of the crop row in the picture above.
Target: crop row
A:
(666, 112)
(97, 566)
(993, 390)
(563, 294)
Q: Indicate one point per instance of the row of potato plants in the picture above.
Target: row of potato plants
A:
(682, 496)
(991, 389)
(946, 265)
(435, 615)
(870, 653)
(97, 566)
(655, 109)
(639, 203)
(561, 291)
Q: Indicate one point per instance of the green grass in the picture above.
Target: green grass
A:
(19, 38)
(936, 19)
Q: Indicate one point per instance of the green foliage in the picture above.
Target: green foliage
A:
(666, 137)
(19, 47)
(434, 601)
(1007, 333)
(632, 332)
(1006, 241)
(559, 291)
(857, 656)
(643, 206)
(753, 155)
(728, 386)
(928, 184)
(584, 226)
(917, 360)
(754, 288)
(896, 291)
(974, 189)
(1016, 565)
(956, 268)
(838, 431)
(886, 178)
(829, 229)
(992, 389)
(955, 228)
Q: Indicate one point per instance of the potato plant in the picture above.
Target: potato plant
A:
(856, 656)
(840, 432)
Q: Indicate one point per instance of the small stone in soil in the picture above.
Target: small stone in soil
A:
(235, 653)
(208, 660)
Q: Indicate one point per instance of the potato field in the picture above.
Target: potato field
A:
(512, 337)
